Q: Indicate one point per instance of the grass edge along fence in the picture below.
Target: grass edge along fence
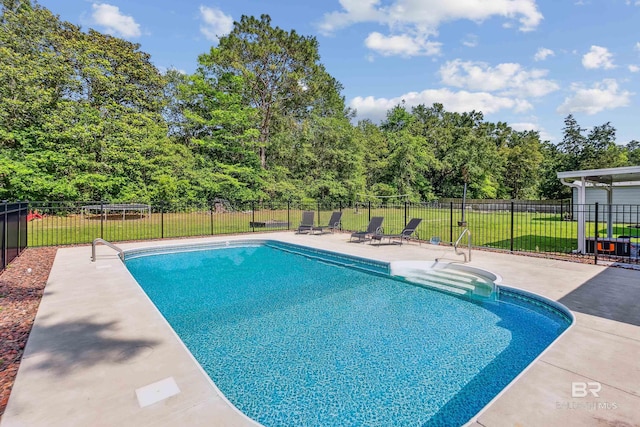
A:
(544, 227)
(13, 231)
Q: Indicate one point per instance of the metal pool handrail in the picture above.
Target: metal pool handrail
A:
(455, 245)
(104, 242)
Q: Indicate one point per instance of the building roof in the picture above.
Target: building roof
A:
(626, 175)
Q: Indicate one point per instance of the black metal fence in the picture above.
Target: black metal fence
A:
(540, 227)
(13, 231)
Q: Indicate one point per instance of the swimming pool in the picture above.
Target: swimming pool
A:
(298, 336)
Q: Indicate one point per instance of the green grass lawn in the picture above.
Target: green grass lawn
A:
(531, 231)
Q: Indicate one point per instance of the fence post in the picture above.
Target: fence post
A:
(22, 207)
(511, 226)
(4, 237)
(162, 219)
(451, 222)
(289, 214)
(318, 205)
(101, 219)
(340, 204)
(561, 210)
(405, 213)
(211, 215)
(26, 224)
(369, 210)
(19, 227)
(595, 243)
(253, 216)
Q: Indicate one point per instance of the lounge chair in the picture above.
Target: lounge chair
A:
(374, 227)
(334, 223)
(405, 234)
(307, 221)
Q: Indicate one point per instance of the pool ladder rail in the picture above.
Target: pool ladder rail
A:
(457, 244)
(109, 244)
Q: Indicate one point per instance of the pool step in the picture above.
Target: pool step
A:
(450, 280)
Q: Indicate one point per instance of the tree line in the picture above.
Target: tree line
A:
(87, 116)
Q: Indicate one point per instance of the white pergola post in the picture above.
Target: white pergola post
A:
(609, 213)
(582, 198)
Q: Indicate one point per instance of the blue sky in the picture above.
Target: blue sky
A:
(526, 62)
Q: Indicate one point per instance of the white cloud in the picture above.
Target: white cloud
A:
(421, 19)
(605, 95)
(427, 15)
(401, 45)
(634, 68)
(530, 126)
(542, 54)
(114, 22)
(355, 11)
(637, 45)
(471, 40)
(508, 79)
(462, 101)
(598, 57)
(216, 23)
(524, 126)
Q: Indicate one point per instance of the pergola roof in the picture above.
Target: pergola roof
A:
(628, 174)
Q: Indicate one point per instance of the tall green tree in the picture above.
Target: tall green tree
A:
(602, 150)
(34, 70)
(218, 128)
(319, 157)
(34, 76)
(375, 148)
(633, 153)
(523, 161)
(116, 107)
(410, 156)
(578, 151)
(596, 150)
(281, 72)
(80, 113)
(552, 163)
(465, 154)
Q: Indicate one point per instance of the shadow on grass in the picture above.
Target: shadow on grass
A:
(613, 294)
(64, 347)
(622, 230)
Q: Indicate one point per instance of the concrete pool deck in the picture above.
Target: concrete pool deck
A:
(101, 354)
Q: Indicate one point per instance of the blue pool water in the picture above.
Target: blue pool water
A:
(292, 341)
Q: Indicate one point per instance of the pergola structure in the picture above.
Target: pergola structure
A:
(607, 179)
